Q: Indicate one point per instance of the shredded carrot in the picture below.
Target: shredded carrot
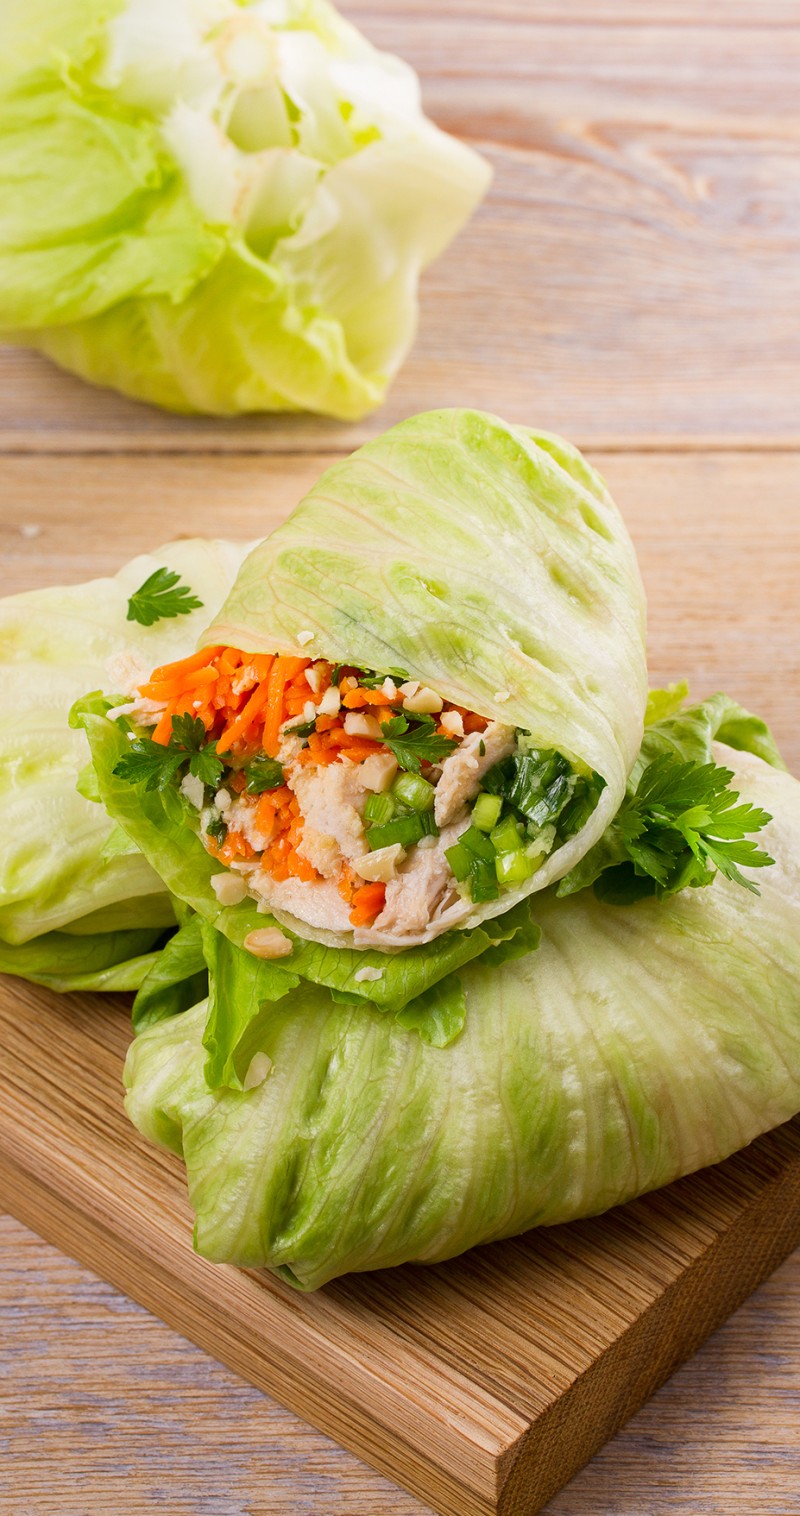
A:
(283, 669)
(238, 726)
(354, 698)
(163, 730)
(235, 846)
(368, 902)
(186, 665)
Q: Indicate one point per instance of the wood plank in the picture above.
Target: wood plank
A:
(480, 1385)
(718, 536)
(96, 1385)
(634, 273)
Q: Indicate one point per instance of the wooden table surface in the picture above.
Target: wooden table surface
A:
(632, 281)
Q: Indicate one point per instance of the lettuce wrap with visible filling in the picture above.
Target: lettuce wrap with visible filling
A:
(637, 1045)
(80, 907)
(419, 704)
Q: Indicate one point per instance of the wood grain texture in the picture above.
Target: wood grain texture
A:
(635, 271)
(94, 1388)
(480, 1385)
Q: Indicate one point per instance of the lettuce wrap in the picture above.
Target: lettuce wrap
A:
(419, 704)
(637, 1045)
(79, 905)
(218, 206)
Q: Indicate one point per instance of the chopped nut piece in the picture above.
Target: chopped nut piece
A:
(358, 724)
(410, 687)
(330, 702)
(268, 942)
(425, 702)
(378, 771)
(367, 974)
(304, 638)
(382, 863)
(229, 889)
(502, 695)
(453, 723)
(258, 1069)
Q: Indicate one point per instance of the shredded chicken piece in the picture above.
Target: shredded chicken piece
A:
(422, 887)
(319, 904)
(331, 801)
(464, 769)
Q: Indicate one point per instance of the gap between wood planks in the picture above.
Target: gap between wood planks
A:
(667, 446)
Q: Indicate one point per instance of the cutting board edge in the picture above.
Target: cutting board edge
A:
(603, 1398)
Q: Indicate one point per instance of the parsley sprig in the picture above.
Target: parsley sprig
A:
(415, 744)
(155, 764)
(161, 597)
(680, 827)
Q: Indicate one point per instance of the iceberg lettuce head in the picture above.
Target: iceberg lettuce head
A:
(218, 206)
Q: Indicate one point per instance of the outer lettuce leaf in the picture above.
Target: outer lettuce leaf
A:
(63, 961)
(634, 1047)
(483, 559)
(62, 862)
(176, 980)
(218, 207)
(687, 733)
(164, 827)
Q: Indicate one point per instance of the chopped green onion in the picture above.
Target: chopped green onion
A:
(460, 861)
(263, 774)
(380, 808)
(506, 837)
(486, 811)
(404, 829)
(513, 868)
(483, 881)
(478, 844)
(551, 802)
(414, 791)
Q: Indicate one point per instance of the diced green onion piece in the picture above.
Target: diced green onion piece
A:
(506, 837)
(380, 808)
(263, 774)
(513, 868)
(486, 811)
(477, 843)
(403, 829)
(460, 861)
(414, 791)
(483, 881)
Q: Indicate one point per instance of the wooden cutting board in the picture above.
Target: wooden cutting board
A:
(481, 1385)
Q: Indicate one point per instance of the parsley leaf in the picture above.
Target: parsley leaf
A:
(681, 827)
(160, 598)
(149, 763)
(155, 764)
(262, 774)
(413, 745)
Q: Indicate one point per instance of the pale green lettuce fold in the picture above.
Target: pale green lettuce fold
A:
(218, 206)
(71, 883)
(637, 1045)
(486, 560)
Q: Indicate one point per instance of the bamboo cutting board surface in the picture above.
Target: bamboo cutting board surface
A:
(484, 1384)
(631, 281)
